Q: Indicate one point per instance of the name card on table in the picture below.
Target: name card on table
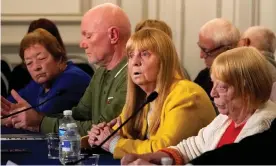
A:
(9, 137)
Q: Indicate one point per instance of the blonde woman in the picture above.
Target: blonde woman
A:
(181, 109)
(241, 91)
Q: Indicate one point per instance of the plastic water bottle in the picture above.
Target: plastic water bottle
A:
(67, 118)
(70, 144)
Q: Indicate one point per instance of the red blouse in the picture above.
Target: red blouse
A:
(230, 134)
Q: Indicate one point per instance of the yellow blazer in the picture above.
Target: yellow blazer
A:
(186, 110)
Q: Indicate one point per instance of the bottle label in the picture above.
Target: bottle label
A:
(66, 146)
(61, 132)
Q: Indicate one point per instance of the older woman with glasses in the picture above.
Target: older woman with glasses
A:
(241, 91)
(215, 36)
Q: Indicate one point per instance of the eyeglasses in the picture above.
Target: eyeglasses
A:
(214, 50)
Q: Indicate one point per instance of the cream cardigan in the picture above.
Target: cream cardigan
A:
(209, 136)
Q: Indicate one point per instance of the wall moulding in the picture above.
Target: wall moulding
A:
(26, 19)
(64, 11)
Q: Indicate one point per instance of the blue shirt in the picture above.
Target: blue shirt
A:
(73, 80)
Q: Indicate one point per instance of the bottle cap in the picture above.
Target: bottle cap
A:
(67, 112)
(71, 125)
(166, 161)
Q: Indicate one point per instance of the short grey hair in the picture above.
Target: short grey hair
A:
(221, 31)
(262, 38)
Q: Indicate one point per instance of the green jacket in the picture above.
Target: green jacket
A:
(102, 101)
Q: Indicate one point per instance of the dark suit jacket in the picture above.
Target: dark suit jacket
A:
(204, 80)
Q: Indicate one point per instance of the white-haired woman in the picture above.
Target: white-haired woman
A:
(241, 91)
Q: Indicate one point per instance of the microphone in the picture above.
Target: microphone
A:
(149, 99)
(58, 93)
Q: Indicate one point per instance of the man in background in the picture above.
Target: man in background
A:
(264, 40)
(215, 36)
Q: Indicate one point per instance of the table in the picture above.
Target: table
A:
(37, 151)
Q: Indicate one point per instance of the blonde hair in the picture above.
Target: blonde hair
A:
(246, 70)
(261, 38)
(159, 43)
(151, 23)
(221, 31)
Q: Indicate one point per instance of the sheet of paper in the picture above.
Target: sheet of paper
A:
(10, 163)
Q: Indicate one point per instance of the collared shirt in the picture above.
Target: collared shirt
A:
(103, 100)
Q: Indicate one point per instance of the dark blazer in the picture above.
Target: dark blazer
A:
(204, 80)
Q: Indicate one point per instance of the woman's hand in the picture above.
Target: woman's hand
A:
(140, 162)
(94, 133)
(129, 158)
(136, 159)
(6, 106)
(7, 122)
(143, 159)
(100, 132)
(29, 120)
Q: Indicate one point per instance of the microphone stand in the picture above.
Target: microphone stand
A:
(151, 97)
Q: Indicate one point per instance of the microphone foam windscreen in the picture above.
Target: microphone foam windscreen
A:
(152, 96)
